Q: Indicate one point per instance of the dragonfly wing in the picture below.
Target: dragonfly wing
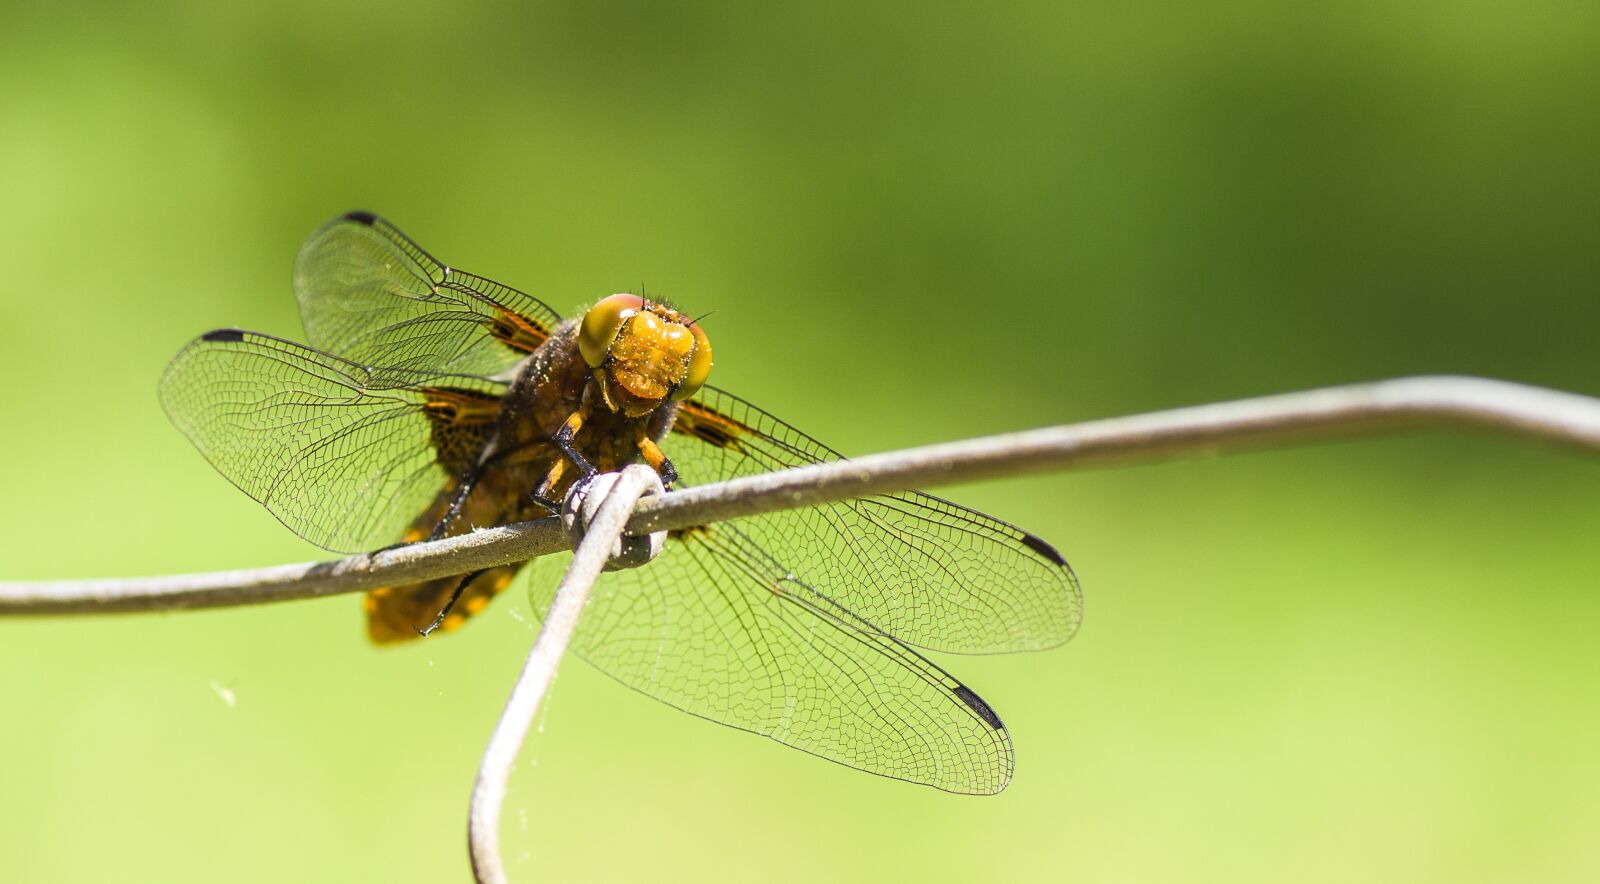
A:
(928, 571)
(720, 628)
(345, 455)
(370, 294)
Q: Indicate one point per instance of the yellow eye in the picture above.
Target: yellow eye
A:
(699, 365)
(601, 324)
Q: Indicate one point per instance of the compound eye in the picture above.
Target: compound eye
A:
(601, 325)
(699, 365)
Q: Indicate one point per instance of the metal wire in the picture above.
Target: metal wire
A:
(494, 773)
(1381, 407)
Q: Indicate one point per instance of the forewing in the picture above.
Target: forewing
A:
(371, 295)
(926, 571)
(719, 628)
(345, 455)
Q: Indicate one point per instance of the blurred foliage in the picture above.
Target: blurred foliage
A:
(1365, 661)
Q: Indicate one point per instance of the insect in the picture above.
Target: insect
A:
(432, 401)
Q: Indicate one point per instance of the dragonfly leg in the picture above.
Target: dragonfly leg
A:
(454, 597)
(550, 506)
(564, 441)
(656, 458)
(541, 495)
(468, 482)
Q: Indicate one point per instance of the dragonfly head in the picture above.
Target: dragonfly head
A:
(643, 353)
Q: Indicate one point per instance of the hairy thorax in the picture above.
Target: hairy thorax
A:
(549, 387)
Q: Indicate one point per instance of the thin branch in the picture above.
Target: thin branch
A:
(489, 792)
(1382, 407)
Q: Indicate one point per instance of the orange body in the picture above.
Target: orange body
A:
(615, 412)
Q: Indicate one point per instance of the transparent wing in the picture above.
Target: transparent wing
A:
(926, 571)
(371, 295)
(719, 628)
(345, 455)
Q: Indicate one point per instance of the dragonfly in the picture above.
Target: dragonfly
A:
(430, 401)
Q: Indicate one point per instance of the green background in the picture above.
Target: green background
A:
(1372, 660)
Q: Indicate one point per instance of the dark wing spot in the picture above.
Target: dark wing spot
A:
(709, 426)
(361, 217)
(454, 405)
(517, 331)
(976, 703)
(224, 335)
(712, 435)
(1038, 545)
